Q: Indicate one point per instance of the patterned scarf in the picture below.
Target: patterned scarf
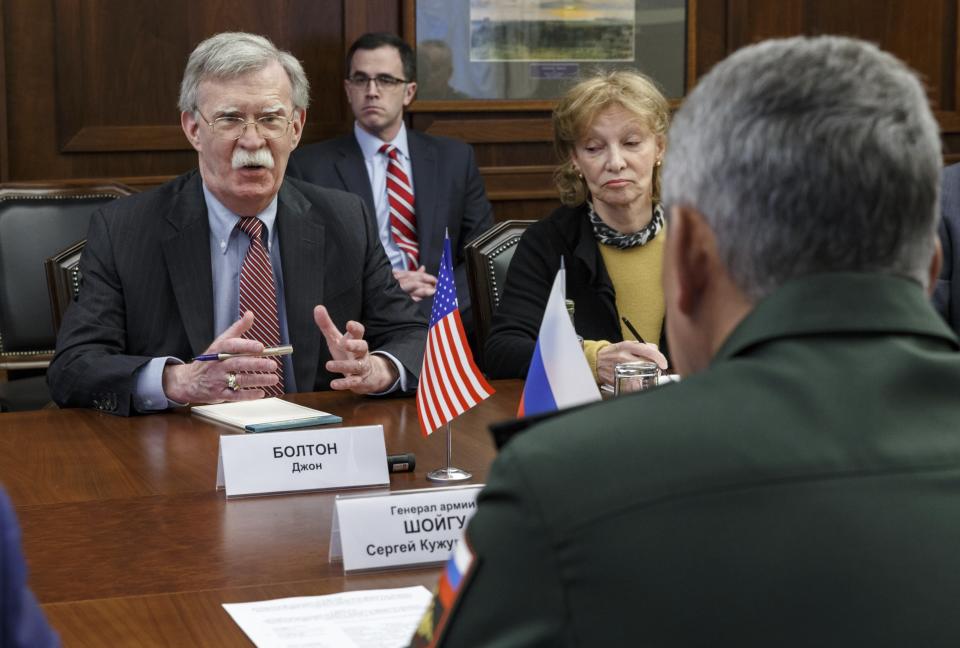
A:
(606, 235)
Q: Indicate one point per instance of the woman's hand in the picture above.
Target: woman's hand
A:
(628, 351)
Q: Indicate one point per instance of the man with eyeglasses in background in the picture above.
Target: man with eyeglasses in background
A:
(417, 184)
(232, 258)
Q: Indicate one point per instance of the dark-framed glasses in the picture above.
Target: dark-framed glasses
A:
(360, 81)
(233, 128)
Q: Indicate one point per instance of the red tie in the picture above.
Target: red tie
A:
(403, 220)
(257, 294)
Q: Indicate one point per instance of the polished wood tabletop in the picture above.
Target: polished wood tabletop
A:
(129, 542)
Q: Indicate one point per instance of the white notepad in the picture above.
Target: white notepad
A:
(265, 415)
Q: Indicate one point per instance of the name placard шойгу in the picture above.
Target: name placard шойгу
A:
(414, 527)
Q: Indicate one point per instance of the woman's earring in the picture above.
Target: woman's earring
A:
(658, 163)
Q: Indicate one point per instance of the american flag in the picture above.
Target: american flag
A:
(450, 382)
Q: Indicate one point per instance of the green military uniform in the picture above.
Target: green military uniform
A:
(803, 491)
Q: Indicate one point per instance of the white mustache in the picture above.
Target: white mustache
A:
(261, 157)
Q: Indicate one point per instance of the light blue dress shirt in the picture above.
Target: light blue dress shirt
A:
(376, 164)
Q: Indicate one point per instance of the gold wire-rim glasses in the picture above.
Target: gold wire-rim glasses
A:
(232, 128)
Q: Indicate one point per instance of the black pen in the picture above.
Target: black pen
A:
(633, 330)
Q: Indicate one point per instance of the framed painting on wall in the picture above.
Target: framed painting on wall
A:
(523, 54)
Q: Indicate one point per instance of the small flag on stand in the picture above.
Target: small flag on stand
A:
(559, 375)
(450, 382)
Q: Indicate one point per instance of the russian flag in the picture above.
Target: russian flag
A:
(453, 579)
(454, 572)
(559, 376)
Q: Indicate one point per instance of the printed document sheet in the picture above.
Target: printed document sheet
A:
(365, 619)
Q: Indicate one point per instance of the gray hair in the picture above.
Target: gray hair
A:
(232, 54)
(809, 155)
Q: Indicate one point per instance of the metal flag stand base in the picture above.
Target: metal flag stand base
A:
(449, 473)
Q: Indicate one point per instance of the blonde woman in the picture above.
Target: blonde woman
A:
(610, 133)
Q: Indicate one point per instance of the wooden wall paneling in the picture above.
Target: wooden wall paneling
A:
(533, 154)
(706, 37)
(141, 67)
(408, 22)
(949, 115)
(949, 36)
(521, 171)
(913, 31)
(93, 84)
(519, 182)
(116, 76)
(918, 33)
(370, 16)
(938, 64)
(4, 155)
(523, 209)
(31, 96)
(950, 121)
(749, 21)
(923, 34)
(495, 131)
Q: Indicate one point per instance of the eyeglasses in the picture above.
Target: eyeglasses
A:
(233, 128)
(360, 81)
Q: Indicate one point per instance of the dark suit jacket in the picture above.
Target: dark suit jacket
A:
(448, 194)
(22, 624)
(148, 289)
(565, 233)
(800, 492)
(946, 295)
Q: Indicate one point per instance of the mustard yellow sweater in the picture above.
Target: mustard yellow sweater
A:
(635, 273)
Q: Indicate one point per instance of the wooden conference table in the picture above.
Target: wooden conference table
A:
(129, 543)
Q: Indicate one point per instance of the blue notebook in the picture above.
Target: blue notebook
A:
(265, 415)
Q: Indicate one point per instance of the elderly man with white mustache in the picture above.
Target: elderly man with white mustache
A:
(231, 258)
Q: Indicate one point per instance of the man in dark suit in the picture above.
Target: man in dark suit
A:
(799, 487)
(448, 193)
(946, 297)
(231, 258)
(22, 624)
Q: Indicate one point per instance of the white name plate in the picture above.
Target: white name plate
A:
(400, 529)
(297, 460)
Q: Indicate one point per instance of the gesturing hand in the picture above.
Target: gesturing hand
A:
(209, 382)
(363, 373)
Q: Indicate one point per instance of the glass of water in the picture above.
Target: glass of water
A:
(634, 376)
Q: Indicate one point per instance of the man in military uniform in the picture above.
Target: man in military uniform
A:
(800, 486)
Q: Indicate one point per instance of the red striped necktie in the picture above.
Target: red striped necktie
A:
(257, 294)
(403, 220)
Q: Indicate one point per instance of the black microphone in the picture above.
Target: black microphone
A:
(401, 462)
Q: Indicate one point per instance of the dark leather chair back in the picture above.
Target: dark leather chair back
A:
(488, 258)
(63, 280)
(36, 221)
